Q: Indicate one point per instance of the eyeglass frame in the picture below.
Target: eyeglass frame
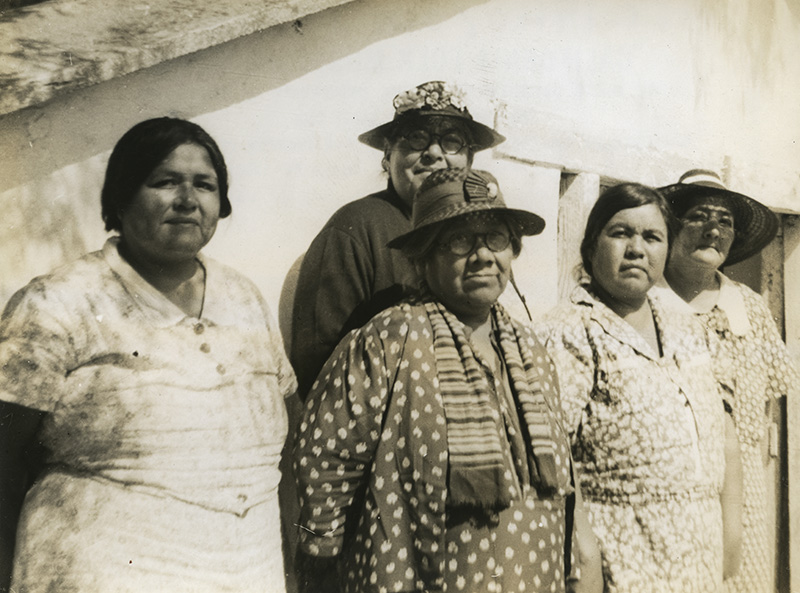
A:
(716, 216)
(438, 138)
(447, 245)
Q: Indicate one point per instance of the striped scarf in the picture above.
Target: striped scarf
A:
(479, 473)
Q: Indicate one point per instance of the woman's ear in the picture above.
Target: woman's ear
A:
(387, 154)
(419, 270)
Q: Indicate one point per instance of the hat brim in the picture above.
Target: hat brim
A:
(755, 224)
(527, 223)
(483, 136)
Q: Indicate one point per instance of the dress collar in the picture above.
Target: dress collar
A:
(161, 311)
(613, 324)
(731, 302)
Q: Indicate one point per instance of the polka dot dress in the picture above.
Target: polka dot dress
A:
(371, 461)
(518, 549)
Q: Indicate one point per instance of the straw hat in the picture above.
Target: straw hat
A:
(754, 223)
(450, 193)
(432, 98)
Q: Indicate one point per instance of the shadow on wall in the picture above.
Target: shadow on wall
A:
(11, 4)
(65, 130)
(286, 303)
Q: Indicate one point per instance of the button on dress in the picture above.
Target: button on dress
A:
(164, 432)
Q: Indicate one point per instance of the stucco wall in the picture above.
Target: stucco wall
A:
(621, 89)
(627, 89)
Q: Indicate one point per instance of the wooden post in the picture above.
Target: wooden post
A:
(791, 274)
(771, 287)
(578, 195)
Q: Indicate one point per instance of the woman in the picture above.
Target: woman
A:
(431, 454)
(721, 227)
(348, 274)
(642, 406)
(154, 378)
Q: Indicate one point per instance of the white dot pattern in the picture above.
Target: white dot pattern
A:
(391, 523)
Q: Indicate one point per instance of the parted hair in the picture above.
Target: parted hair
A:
(140, 150)
(616, 198)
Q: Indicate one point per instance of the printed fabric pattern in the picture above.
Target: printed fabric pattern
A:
(647, 437)
(762, 373)
(371, 460)
(164, 431)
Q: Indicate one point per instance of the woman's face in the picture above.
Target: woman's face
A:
(408, 167)
(175, 211)
(468, 285)
(705, 238)
(630, 253)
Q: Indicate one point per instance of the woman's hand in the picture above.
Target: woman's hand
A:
(587, 573)
(316, 574)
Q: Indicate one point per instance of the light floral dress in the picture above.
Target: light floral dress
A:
(648, 442)
(164, 432)
(751, 351)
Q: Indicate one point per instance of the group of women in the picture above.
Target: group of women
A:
(613, 445)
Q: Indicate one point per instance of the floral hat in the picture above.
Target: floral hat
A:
(432, 98)
(755, 225)
(450, 193)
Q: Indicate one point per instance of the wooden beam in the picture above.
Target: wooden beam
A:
(791, 273)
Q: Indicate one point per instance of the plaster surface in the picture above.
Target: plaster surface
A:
(66, 44)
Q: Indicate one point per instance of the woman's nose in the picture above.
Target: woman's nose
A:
(481, 250)
(711, 228)
(635, 246)
(434, 150)
(185, 196)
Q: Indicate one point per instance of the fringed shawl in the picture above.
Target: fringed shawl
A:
(479, 473)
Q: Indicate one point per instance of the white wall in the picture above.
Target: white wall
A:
(633, 88)
(627, 89)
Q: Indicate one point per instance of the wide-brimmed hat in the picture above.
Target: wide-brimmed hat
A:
(450, 193)
(755, 224)
(432, 98)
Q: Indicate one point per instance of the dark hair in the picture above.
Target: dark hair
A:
(140, 150)
(616, 198)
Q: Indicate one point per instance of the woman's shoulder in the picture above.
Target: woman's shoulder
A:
(225, 275)
(376, 209)
(751, 298)
(565, 318)
(80, 276)
(397, 320)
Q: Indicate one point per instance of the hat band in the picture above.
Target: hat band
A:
(704, 178)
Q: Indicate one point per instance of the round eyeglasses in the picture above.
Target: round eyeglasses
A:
(463, 244)
(699, 218)
(450, 142)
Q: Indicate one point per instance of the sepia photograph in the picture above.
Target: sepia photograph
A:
(366, 296)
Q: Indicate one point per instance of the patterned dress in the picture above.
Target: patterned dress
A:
(164, 432)
(752, 352)
(648, 442)
(372, 466)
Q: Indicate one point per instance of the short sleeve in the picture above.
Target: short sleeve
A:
(287, 382)
(37, 348)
